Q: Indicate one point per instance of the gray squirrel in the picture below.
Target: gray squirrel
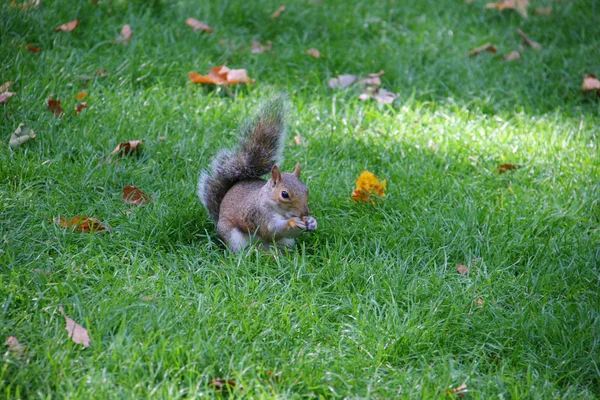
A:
(243, 205)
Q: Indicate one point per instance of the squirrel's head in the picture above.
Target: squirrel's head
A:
(288, 192)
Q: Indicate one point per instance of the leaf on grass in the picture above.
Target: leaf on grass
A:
(378, 94)
(54, 106)
(32, 48)
(21, 135)
(479, 302)
(367, 186)
(313, 53)
(82, 224)
(528, 41)
(220, 385)
(198, 25)
(68, 27)
(486, 47)
(462, 269)
(4, 93)
(133, 195)
(373, 79)
(16, 348)
(512, 56)
(298, 140)
(101, 73)
(543, 11)
(80, 107)
(81, 95)
(258, 48)
(458, 391)
(26, 5)
(77, 333)
(278, 12)
(127, 148)
(342, 81)
(519, 6)
(125, 36)
(221, 75)
(590, 84)
(502, 168)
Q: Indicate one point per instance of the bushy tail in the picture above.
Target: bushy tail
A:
(260, 148)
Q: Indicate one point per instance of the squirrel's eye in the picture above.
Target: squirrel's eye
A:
(285, 195)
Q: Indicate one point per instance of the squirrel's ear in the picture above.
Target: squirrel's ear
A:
(297, 170)
(275, 175)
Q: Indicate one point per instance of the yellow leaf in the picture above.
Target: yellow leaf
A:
(368, 185)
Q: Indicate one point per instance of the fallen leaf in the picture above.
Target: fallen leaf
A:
(486, 47)
(16, 348)
(373, 79)
(4, 93)
(528, 41)
(590, 83)
(368, 185)
(313, 53)
(161, 138)
(518, 5)
(297, 140)
(127, 148)
(80, 107)
(506, 167)
(221, 75)
(462, 269)
(77, 333)
(378, 94)
(102, 73)
(198, 25)
(54, 106)
(258, 48)
(342, 81)
(21, 135)
(459, 390)
(133, 195)
(82, 224)
(125, 35)
(81, 95)
(220, 384)
(278, 12)
(512, 56)
(25, 6)
(5, 87)
(479, 302)
(32, 48)
(68, 27)
(543, 11)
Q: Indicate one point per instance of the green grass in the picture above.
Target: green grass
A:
(371, 304)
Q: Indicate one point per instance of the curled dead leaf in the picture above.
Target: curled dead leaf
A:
(16, 348)
(258, 48)
(82, 224)
(221, 75)
(198, 25)
(378, 94)
(54, 106)
(486, 47)
(21, 135)
(32, 48)
(373, 79)
(127, 148)
(342, 81)
(68, 27)
(458, 391)
(278, 12)
(80, 107)
(462, 269)
(590, 84)
(133, 195)
(77, 333)
(313, 53)
(512, 56)
(502, 168)
(528, 41)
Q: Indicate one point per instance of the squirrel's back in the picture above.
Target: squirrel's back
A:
(259, 149)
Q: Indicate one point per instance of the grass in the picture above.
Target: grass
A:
(370, 305)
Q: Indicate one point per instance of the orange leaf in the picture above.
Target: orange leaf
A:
(528, 41)
(80, 107)
(462, 269)
(590, 83)
(198, 25)
(221, 75)
(82, 224)
(486, 47)
(313, 52)
(54, 106)
(367, 185)
(68, 27)
(133, 195)
(506, 167)
(127, 148)
(32, 49)
(278, 12)
(81, 95)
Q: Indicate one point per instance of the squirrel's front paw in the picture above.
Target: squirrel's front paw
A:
(310, 222)
(296, 223)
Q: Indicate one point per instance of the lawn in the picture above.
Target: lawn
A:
(372, 304)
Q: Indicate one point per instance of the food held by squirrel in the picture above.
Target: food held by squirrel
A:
(242, 204)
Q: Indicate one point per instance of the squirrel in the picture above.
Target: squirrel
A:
(244, 206)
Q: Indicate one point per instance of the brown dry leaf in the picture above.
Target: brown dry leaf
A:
(161, 138)
(373, 79)
(458, 391)
(68, 27)
(32, 48)
(278, 12)
(133, 195)
(198, 25)
(125, 36)
(590, 83)
(127, 148)
(506, 167)
(518, 5)
(5, 87)
(342, 81)
(298, 140)
(80, 107)
(102, 73)
(543, 11)
(82, 224)
(26, 5)
(528, 41)
(16, 348)
(462, 269)
(4, 93)
(479, 302)
(54, 106)
(81, 95)
(380, 95)
(512, 56)
(21, 135)
(313, 53)
(220, 385)
(258, 48)
(77, 333)
(221, 75)
(486, 47)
